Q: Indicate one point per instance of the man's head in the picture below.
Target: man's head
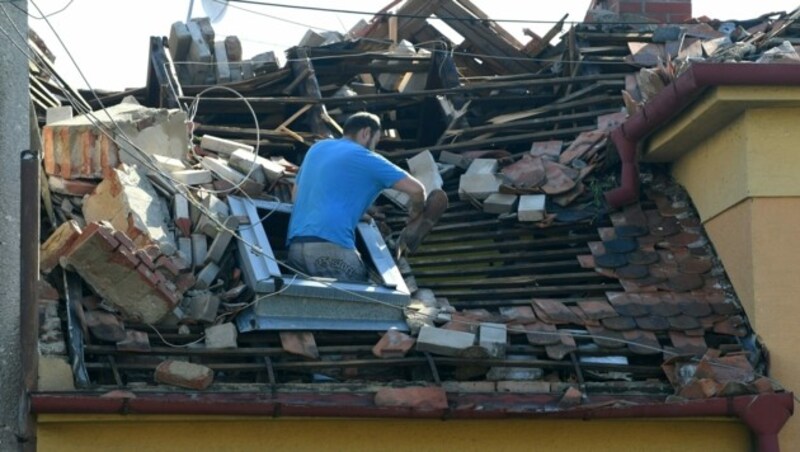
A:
(363, 128)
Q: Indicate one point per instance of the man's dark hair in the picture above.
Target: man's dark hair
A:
(360, 120)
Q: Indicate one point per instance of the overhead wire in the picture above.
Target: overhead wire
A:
(365, 298)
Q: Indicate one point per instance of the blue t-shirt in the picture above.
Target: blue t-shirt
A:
(337, 182)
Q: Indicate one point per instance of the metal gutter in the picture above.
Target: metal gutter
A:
(764, 414)
(673, 99)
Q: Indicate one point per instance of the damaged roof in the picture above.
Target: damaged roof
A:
(165, 265)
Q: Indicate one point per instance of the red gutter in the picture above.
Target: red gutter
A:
(672, 100)
(764, 414)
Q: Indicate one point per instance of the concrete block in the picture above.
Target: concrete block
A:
(58, 244)
(199, 56)
(185, 249)
(263, 63)
(119, 276)
(221, 336)
(221, 242)
(423, 167)
(222, 146)
(233, 47)
(265, 170)
(193, 176)
(443, 342)
(129, 202)
(454, 159)
(247, 70)
(200, 306)
(221, 63)
(179, 41)
(199, 249)
(58, 114)
(206, 29)
(478, 186)
(225, 173)
(499, 203)
(184, 375)
(55, 374)
(169, 164)
(207, 276)
(531, 207)
(315, 39)
(76, 148)
(494, 338)
(482, 166)
(180, 215)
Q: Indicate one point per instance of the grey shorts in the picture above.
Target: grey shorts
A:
(328, 260)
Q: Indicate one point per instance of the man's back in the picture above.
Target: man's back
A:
(338, 180)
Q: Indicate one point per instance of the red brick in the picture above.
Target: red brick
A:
(393, 344)
(184, 375)
(630, 8)
(125, 257)
(124, 240)
(168, 265)
(417, 398)
(145, 259)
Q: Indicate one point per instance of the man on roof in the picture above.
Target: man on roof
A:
(337, 182)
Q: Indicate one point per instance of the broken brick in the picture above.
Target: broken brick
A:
(417, 398)
(184, 375)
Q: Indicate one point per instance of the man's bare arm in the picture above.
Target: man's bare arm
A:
(416, 191)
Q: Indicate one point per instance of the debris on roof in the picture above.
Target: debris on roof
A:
(168, 207)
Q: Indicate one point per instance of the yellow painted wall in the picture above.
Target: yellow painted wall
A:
(744, 179)
(60, 433)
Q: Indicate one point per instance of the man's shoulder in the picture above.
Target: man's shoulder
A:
(337, 143)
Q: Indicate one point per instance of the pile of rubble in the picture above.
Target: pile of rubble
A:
(167, 224)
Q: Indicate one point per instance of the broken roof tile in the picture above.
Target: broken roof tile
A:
(597, 309)
(553, 311)
(540, 333)
(642, 342)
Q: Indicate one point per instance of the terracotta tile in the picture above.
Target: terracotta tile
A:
(652, 323)
(582, 145)
(694, 265)
(699, 332)
(518, 314)
(708, 321)
(626, 245)
(571, 398)
(665, 228)
(582, 319)
(553, 311)
(690, 223)
(663, 270)
(606, 234)
(557, 180)
(684, 322)
(724, 307)
(569, 197)
(653, 217)
(541, 333)
(633, 272)
(732, 367)
(627, 304)
(596, 248)
(640, 257)
(634, 216)
(688, 345)
(607, 272)
(665, 305)
(733, 326)
(619, 323)
(700, 389)
(630, 231)
(763, 385)
(642, 342)
(611, 260)
(606, 338)
(683, 239)
(550, 150)
(597, 309)
(586, 261)
(563, 348)
(528, 172)
(647, 242)
(693, 306)
(685, 283)
(639, 285)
